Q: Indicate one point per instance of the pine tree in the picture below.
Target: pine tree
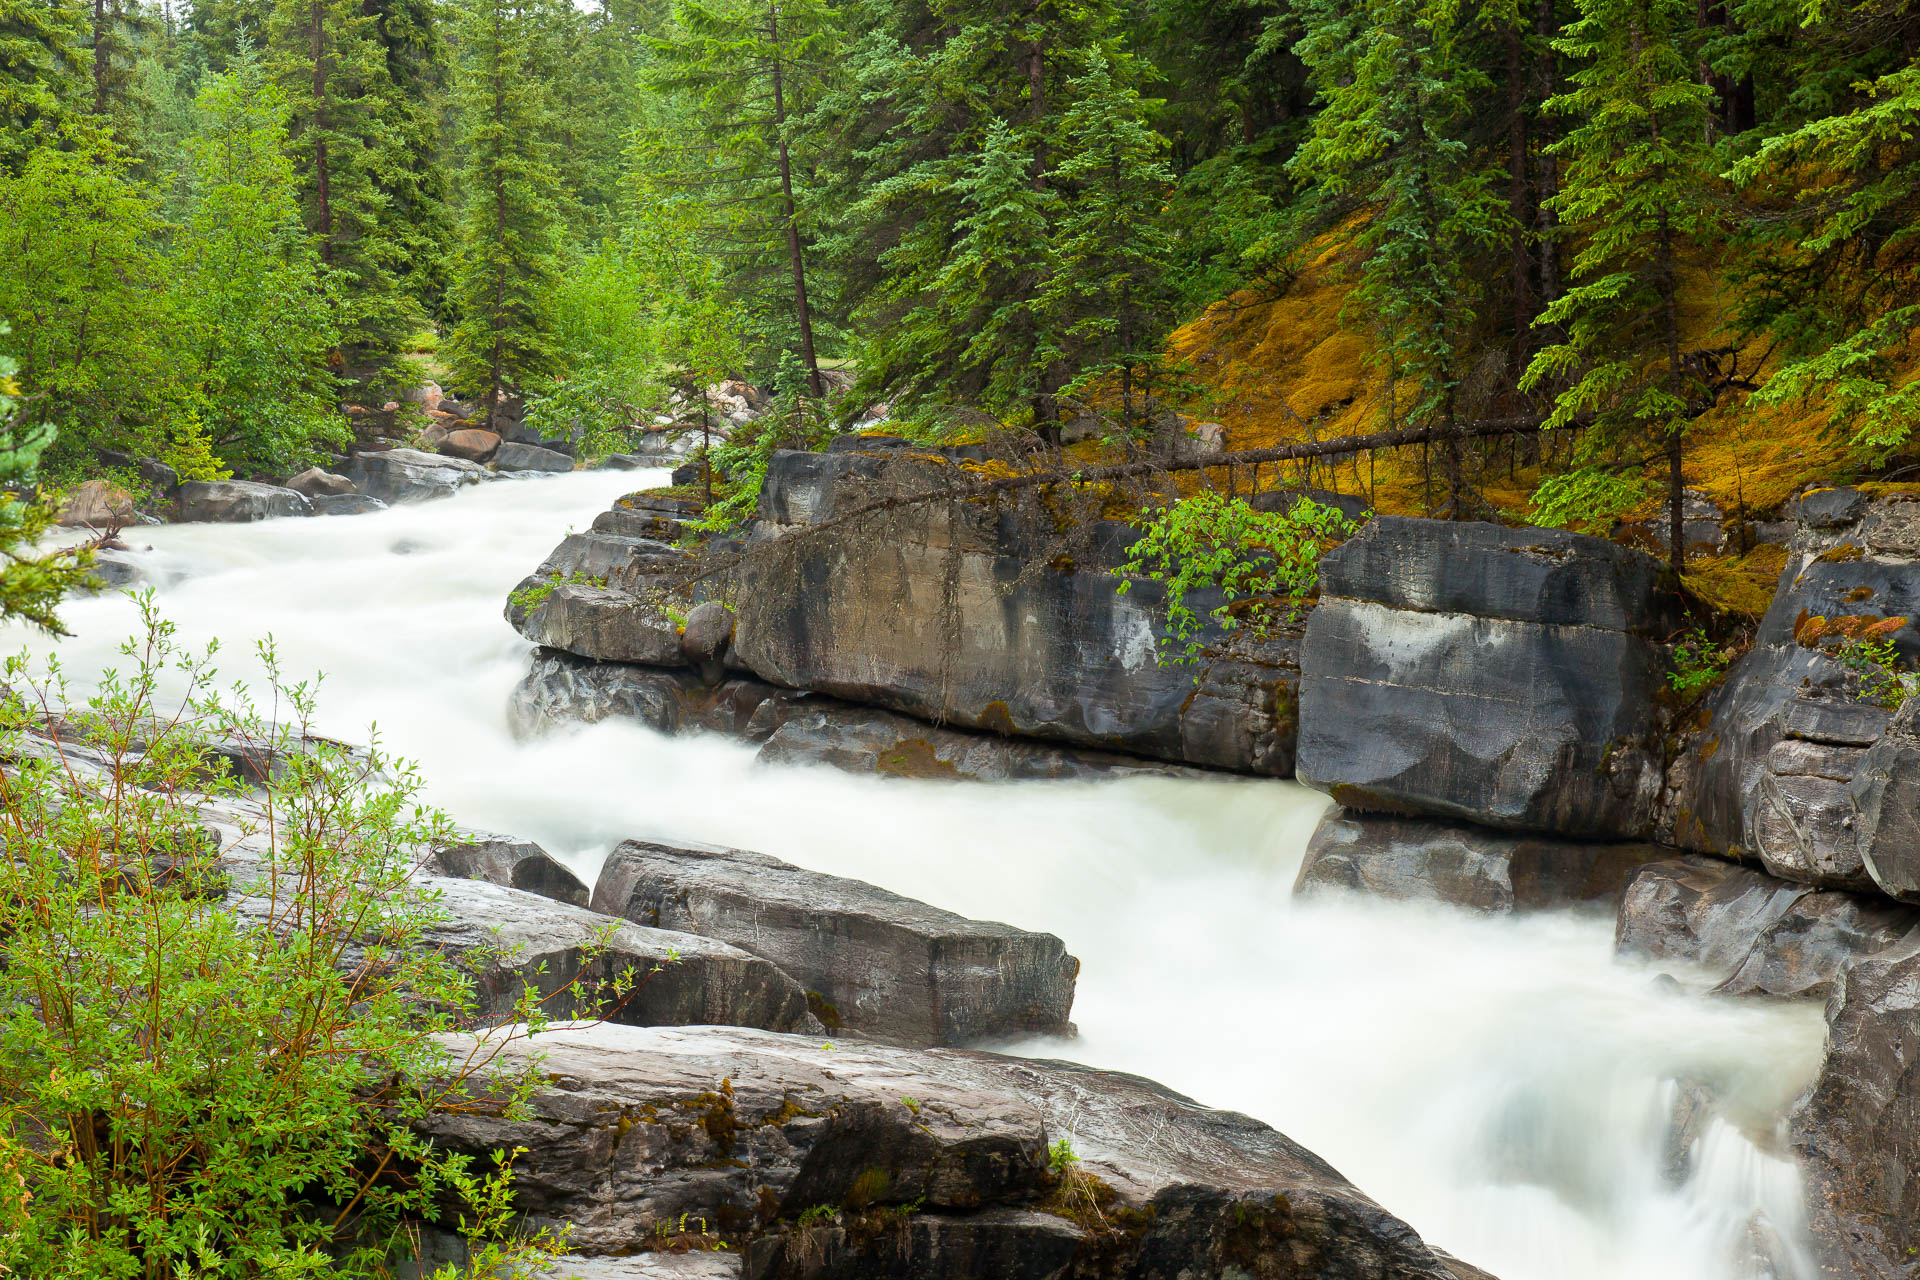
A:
(504, 268)
(414, 183)
(327, 57)
(40, 54)
(1632, 199)
(116, 30)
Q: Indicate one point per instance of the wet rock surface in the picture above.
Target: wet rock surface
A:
(877, 963)
(749, 1130)
(513, 862)
(237, 502)
(515, 456)
(1502, 676)
(1421, 859)
(408, 475)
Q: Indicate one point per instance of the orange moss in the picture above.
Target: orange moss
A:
(1810, 630)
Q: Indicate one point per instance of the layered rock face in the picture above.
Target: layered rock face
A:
(987, 615)
(914, 1161)
(1503, 676)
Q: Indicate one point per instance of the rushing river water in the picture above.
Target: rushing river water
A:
(1500, 1083)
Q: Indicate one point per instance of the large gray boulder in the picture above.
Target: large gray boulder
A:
(346, 504)
(1502, 676)
(1422, 859)
(880, 964)
(593, 621)
(237, 502)
(639, 1130)
(315, 483)
(1858, 1135)
(1884, 806)
(408, 475)
(513, 862)
(515, 456)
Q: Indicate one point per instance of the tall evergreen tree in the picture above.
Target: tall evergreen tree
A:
(505, 267)
(40, 69)
(1636, 166)
(414, 184)
(116, 30)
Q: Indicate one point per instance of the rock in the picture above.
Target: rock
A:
(1420, 859)
(1502, 676)
(1821, 936)
(116, 570)
(938, 612)
(509, 940)
(638, 1129)
(346, 504)
(708, 632)
(313, 482)
(514, 456)
(1352, 506)
(884, 965)
(1828, 508)
(470, 443)
(1858, 1131)
(623, 462)
(96, 504)
(517, 864)
(408, 475)
(238, 501)
(427, 395)
(593, 621)
(623, 561)
(1006, 1244)
(561, 688)
(1883, 800)
(714, 1265)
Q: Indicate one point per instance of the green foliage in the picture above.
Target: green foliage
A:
(1260, 566)
(1060, 1158)
(40, 47)
(1698, 662)
(32, 581)
(604, 326)
(1877, 665)
(795, 421)
(1591, 497)
(212, 1046)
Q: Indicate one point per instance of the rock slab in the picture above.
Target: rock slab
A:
(237, 502)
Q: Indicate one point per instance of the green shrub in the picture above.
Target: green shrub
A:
(1698, 662)
(1877, 664)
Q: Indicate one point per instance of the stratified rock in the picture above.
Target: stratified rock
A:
(1422, 859)
(1828, 508)
(1502, 676)
(237, 501)
(1859, 1132)
(641, 1129)
(1884, 806)
(346, 504)
(315, 483)
(97, 504)
(470, 443)
(1005, 1244)
(514, 456)
(515, 863)
(883, 965)
(408, 475)
(594, 621)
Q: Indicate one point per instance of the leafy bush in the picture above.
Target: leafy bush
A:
(1698, 662)
(1877, 664)
(795, 421)
(1264, 564)
(213, 1038)
(1592, 497)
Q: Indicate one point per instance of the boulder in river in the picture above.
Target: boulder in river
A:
(800, 1149)
(97, 504)
(873, 961)
(1424, 859)
(514, 456)
(346, 504)
(1502, 676)
(238, 501)
(314, 483)
(1883, 796)
(513, 862)
(471, 443)
(408, 475)
(594, 621)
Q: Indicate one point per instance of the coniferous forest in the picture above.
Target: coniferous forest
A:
(223, 222)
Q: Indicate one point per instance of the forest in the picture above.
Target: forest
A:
(221, 223)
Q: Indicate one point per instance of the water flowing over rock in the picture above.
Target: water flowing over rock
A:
(237, 501)
(408, 475)
(1422, 859)
(878, 963)
(1503, 676)
(346, 504)
(747, 1130)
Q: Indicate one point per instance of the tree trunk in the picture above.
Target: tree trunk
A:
(800, 313)
(496, 373)
(1522, 267)
(1547, 183)
(1676, 489)
(323, 200)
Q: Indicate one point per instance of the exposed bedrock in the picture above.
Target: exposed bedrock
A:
(1502, 676)
(1430, 860)
(1777, 762)
(639, 1132)
(877, 963)
(997, 616)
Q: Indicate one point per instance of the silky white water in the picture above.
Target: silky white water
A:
(1500, 1083)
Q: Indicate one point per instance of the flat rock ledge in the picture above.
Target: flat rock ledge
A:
(813, 1159)
(871, 961)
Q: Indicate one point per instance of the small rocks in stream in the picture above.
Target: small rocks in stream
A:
(880, 964)
(639, 1131)
(515, 863)
(237, 502)
(1426, 859)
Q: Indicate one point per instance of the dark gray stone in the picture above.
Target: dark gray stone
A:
(116, 570)
(313, 482)
(624, 462)
(515, 456)
(237, 502)
(1701, 912)
(1421, 859)
(408, 475)
(346, 504)
(1883, 798)
(561, 688)
(1858, 1134)
(747, 1131)
(1004, 1244)
(1827, 508)
(884, 965)
(597, 622)
(163, 478)
(623, 561)
(515, 863)
(1822, 935)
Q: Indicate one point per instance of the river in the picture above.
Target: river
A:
(1502, 1084)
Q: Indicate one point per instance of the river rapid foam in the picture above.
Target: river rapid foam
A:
(1502, 1084)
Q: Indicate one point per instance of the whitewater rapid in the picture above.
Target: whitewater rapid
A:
(1500, 1083)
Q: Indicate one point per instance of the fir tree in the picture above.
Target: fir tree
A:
(1632, 199)
(504, 268)
(40, 69)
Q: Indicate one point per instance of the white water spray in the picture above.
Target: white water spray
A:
(1502, 1084)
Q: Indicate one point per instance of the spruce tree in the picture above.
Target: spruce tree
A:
(41, 60)
(1631, 198)
(504, 268)
(414, 183)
